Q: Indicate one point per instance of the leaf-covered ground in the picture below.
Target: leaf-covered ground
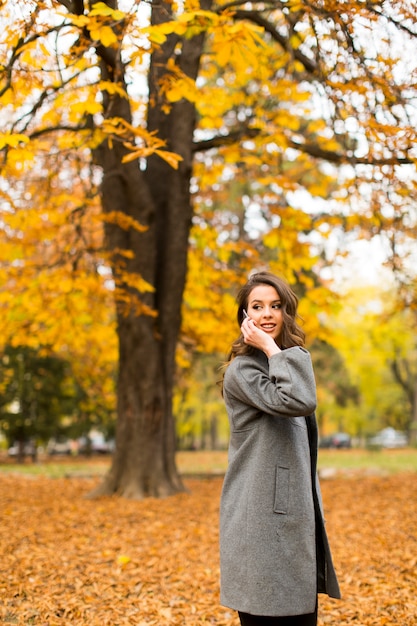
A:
(68, 560)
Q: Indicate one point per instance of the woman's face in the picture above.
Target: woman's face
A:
(264, 307)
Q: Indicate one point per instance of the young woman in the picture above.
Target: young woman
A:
(274, 552)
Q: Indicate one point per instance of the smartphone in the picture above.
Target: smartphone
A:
(245, 314)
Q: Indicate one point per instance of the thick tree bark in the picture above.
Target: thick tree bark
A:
(159, 198)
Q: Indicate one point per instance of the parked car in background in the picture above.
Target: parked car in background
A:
(60, 445)
(338, 440)
(389, 438)
(95, 443)
(26, 448)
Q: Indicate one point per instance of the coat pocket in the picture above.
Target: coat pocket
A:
(282, 489)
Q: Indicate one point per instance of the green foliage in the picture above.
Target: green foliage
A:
(201, 419)
(371, 333)
(337, 395)
(37, 392)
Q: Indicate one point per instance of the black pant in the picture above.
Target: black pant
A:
(309, 619)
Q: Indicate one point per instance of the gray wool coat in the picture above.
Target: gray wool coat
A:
(274, 552)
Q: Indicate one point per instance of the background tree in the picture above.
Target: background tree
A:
(36, 393)
(336, 392)
(376, 342)
(403, 362)
(201, 419)
(395, 336)
(54, 299)
(307, 103)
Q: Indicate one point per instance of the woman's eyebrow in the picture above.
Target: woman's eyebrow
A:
(277, 301)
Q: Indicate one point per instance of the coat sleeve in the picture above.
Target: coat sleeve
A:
(287, 389)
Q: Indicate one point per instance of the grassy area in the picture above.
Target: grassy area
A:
(215, 462)
(354, 460)
(389, 461)
(58, 468)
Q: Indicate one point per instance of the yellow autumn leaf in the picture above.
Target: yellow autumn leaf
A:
(272, 239)
(287, 120)
(136, 282)
(176, 27)
(7, 97)
(295, 5)
(78, 20)
(155, 35)
(223, 54)
(123, 220)
(182, 89)
(103, 9)
(201, 16)
(87, 106)
(21, 159)
(12, 139)
(122, 560)
(170, 157)
(104, 34)
(112, 88)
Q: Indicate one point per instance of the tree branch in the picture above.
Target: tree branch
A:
(404, 380)
(225, 140)
(255, 17)
(313, 150)
(338, 158)
(59, 127)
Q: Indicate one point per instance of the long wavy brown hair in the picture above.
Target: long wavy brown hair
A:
(291, 334)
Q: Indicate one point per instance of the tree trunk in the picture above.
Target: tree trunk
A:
(413, 426)
(403, 373)
(159, 198)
